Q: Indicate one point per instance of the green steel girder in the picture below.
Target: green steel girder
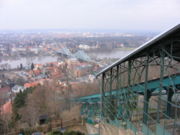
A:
(137, 88)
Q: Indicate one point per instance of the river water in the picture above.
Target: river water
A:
(46, 59)
(113, 54)
(26, 61)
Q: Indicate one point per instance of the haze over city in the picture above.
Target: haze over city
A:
(89, 67)
(124, 15)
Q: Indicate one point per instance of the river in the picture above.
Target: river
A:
(112, 54)
(14, 63)
(25, 61)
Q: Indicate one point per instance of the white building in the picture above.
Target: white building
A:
(17, 88)
(85, 47)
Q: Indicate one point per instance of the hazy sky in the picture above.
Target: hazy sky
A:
(154, 15)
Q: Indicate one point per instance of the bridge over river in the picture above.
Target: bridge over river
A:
(139, 93)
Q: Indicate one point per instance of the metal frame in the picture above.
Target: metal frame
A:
(149, 75)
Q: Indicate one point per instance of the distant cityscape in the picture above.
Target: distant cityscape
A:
(68, 60)
(29, 59)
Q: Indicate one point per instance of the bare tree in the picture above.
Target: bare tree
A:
(44, 100)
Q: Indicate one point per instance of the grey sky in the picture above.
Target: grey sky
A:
(152, 15)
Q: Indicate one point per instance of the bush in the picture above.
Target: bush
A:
(73, 133)
(26, 131)
(56, 133)
(66, 133)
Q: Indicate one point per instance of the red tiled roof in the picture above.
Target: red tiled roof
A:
(6, 108)
(32, 84)
(7, 89)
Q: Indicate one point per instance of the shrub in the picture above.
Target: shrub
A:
(66, 133)
(56, 133)
(73, 133)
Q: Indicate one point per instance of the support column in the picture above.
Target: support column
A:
(129, 73)
(146, 106)
(161, 84)
(102, 95)
(129, 90)
(117, 90)
(110, 83)
(111, 100)
(117, 77)
(170, 93)
(146, 93)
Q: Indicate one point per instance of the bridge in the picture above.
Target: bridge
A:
(139, 94)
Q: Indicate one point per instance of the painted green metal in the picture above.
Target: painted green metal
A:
(161, 131)
(138, 88)
(131, 126)
(146, 93)
(138, 92)
(162, 56)
(102, 94)
(147, 131)
(170, 94)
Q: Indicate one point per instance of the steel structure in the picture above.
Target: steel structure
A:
(140, 92)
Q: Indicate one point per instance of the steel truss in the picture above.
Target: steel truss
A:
(160, 105)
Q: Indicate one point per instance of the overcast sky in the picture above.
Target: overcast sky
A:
(135, 15)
